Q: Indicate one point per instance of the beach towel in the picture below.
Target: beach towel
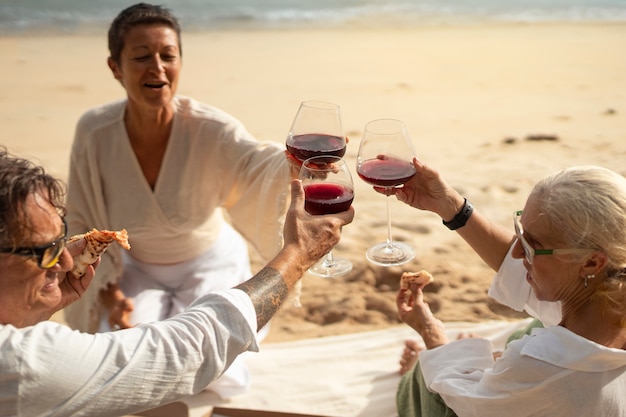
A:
(352, 375)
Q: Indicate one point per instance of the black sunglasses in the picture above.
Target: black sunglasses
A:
(47, 255)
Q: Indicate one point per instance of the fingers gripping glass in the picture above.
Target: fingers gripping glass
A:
(47, 255)
(531, 252)
(328, 188)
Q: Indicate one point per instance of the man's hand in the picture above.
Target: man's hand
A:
(306, 239)
(73, 288)
(312, 235)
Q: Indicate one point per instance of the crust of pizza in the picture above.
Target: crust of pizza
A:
(421, 278)
(97, 243)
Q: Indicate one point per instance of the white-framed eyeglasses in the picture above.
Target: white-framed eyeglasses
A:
(531, 252)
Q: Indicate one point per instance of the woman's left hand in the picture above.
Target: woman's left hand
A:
(414, 311)
(294, 164)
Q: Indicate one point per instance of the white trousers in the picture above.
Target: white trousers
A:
(162, 291)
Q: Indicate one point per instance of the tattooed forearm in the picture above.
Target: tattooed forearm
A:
(268, 291)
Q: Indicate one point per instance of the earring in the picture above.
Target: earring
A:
(587, 278)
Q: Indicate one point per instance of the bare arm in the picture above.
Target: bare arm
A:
(489, 240)
(307, 239)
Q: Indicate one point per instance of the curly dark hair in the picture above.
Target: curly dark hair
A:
(20, 178)
(136, 15)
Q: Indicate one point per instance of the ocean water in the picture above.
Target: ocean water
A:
(76, 16)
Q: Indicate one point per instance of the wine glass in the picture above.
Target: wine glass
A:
(316, 130)
(328, 188)
(385, 160)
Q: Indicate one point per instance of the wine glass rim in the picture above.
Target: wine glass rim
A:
(401, 125)
(325, 159)
(320, 104)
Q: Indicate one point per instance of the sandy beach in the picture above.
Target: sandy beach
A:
(493, 107)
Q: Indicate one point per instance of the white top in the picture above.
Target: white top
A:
(50, 370)
(551, 373)
(211, 162)
(509, 287)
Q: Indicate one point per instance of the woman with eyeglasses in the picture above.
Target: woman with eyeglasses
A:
(570, 240)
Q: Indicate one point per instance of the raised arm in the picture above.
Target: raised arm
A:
(307, 239)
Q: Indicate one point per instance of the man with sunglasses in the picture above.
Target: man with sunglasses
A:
(46, 255)
(48, 369)
(34, 281)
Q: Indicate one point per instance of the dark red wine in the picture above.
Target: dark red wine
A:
(327, 198)
(388, 172)
(315, 144)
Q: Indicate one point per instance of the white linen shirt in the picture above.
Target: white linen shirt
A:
(211, 162)
(551, 373)
(50, 370)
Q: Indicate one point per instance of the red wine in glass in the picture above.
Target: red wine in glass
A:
(316, 130)
(327, 198)
(328, 189)
(385, 171)
(384, 160)
(308, 145)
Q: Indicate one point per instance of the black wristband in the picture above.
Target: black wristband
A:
(461, 217)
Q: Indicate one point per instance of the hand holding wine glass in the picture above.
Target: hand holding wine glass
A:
(316, 130)
(328, 188)
(385, 160)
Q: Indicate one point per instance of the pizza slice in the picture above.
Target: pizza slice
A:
(97, 243)
(421, 278)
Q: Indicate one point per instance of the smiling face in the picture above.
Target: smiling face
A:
(29, 294)
(149, 66)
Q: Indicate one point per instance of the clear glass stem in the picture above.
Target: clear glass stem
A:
(329, 260)
(390, 253)
(389, 239)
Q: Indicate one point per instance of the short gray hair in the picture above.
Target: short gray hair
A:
(588, 204)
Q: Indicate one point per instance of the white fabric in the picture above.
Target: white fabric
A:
(50, 370)
(211, 162)
(162, 291)
(352, 375)
(551, 373)
(509, 287)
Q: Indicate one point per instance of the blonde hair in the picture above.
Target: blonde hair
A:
(588, 204)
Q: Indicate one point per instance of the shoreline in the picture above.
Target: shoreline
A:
(377, 23)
